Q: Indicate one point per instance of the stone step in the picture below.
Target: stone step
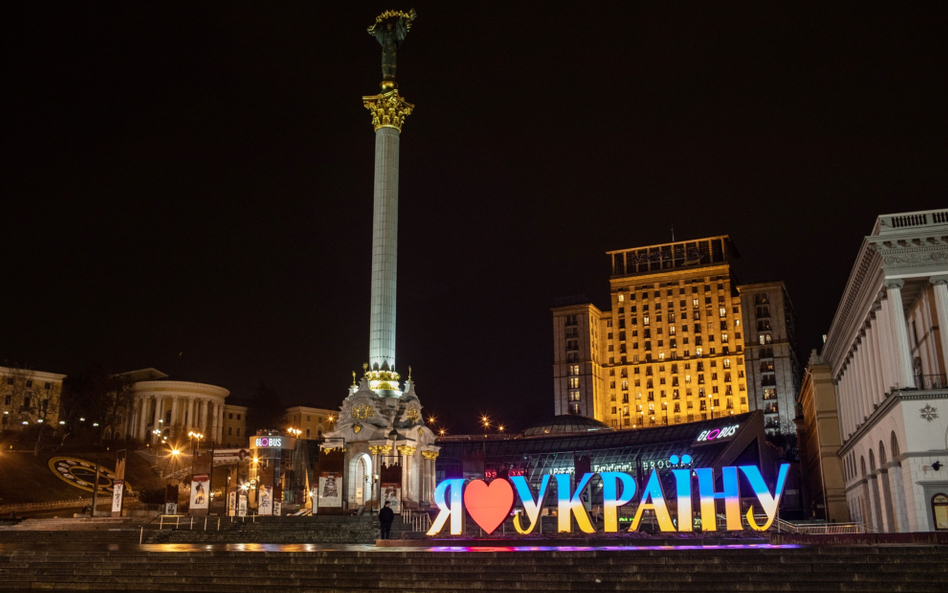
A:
(865, 569)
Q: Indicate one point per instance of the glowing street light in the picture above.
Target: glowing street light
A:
(500, 428)
(442, 432)
(431, 419)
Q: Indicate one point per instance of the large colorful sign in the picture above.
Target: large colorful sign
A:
(489, 505)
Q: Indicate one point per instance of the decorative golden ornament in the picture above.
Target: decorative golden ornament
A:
(385, 449)
(389, 110)
(429, 455)
(362, 411)
(408, 16)
(374, 449)
(406, 450)
(353, 378)
(412, 414)
(357, 428)
(420, 431)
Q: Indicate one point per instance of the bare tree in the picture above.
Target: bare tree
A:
(106, 400)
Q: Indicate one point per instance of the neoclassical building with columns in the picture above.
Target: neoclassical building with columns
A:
(887, 348)
(164, 408)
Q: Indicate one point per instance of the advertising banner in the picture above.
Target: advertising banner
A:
(118, 492)
(242, 505)
(118, 488)
(330, 489)
(392, 494)
(200, 496)
(232, 502)
(265, 504)
(171, 499)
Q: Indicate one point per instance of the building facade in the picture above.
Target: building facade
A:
(886, 347)
(311, 422)
(165, 409)
(577, 352)
(819, 442)
(770, 354)
(234, 430)
(671, 348)
(28, 397)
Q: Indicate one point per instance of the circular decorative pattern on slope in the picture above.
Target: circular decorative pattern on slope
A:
(81, 474)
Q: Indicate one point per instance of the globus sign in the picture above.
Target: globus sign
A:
(268, 442)
(490, 504)
(717, 433)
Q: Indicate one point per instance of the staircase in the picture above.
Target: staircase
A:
(80, 529)
(213, 569)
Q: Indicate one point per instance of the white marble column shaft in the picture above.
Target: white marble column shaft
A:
(902, 353)
(941, 312)
(384, 250)
(143, 405)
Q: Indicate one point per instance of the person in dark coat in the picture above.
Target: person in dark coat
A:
(386, 518)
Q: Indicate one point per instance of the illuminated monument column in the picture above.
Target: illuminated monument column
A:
(384, 249)
(380, 426)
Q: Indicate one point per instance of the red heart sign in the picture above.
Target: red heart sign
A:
(490, 504)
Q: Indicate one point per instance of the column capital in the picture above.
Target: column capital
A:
(940, 279)
(389, 110)
(891, 283)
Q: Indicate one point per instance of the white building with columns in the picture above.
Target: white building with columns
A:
(165, 408)
(887, 348)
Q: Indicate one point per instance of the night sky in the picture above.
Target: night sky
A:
(189, 187)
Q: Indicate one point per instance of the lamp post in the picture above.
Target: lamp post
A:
(195, 436)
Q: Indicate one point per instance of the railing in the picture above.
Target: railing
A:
(782, 526)
(180, 522)
(416, 521)
(931, 381)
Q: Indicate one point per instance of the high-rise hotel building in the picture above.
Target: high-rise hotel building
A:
(669, 351)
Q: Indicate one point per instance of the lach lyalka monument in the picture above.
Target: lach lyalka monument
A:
(381, 449)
